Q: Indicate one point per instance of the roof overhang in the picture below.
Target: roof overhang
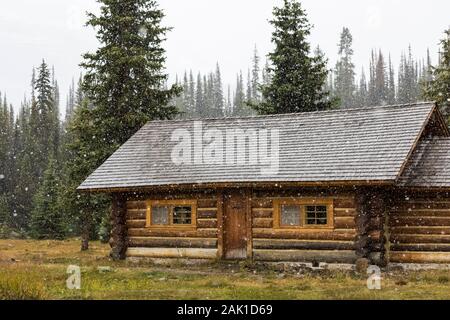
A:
(231, 185)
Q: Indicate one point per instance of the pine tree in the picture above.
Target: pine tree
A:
(248, 95)
(408, 84)
(229, 103)
(255, 90)
(218, 98)
(185, 95)
(391, 84)
(362, 96)
(240, 108)
(378, 82)
(191, 96)
(438, 89)
(297, 78)
(344, 81)
(199, 98)
(47, 220)
(124, 78)
(70, 102)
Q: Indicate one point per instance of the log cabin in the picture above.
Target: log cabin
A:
(330, 186)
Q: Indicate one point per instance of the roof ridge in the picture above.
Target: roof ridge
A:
(300, 113)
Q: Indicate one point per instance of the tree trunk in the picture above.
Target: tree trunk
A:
(85, 233)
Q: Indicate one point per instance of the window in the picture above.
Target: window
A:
(290, 215)
(316, 215)
(160, 215)
(303, 213)
(171, 213)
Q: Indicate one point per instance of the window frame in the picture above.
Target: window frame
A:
(171, 204)
(303, 203)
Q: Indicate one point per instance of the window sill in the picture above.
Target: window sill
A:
(306, 229)
(180, 228)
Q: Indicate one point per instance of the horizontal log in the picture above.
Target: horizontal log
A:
(344, 212)
(419, 238)
(149, 232)
(262, 213)
(262, 222)
(136, 223)
(206, 203)
(206, 214)
(420, 221)
(420, 230)
(262, 203)
(343, 256)
(421, 247)
(302, 244)
(136, 214)
(345, 235)
(344, 222)
(147, 242)
(421, 213)
(419, 257)
(193, 253)
(136, 205)
(431, 204)
(375, 235)
(344, 203)
(207, 223)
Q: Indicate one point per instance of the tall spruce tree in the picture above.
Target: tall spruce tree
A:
(47, 219)
(438, 88)
(297, 77)
(380, 80)
(408, 85)
(124, 79)
(391, 95)
(218, 98)
(344, 80)
(362, 95)
(240, 108)
(255, 82)
(199, 98)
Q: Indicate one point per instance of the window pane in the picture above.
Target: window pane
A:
(316, 215)
(182, 215)
(290, 215)
(160, 215)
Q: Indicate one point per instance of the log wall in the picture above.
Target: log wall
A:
(304, 245)
(419, 226)
(198, 243)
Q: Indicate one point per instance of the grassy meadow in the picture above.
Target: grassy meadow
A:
(32, 269)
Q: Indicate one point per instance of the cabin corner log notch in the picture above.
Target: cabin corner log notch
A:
(370, 242)
(118, 240)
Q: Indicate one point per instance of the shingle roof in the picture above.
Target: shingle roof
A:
(429, 165)
(365, 144)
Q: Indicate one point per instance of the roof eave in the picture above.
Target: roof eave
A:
(222, 185)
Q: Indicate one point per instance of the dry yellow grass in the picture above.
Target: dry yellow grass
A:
(38, 270)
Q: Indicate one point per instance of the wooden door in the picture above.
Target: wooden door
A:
(235, 237)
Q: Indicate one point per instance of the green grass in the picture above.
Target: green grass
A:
(37, 270)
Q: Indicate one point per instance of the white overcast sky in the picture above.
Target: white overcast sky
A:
(207, 31)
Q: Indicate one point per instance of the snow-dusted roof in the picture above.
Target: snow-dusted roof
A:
(363, 145)
(429, 165)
